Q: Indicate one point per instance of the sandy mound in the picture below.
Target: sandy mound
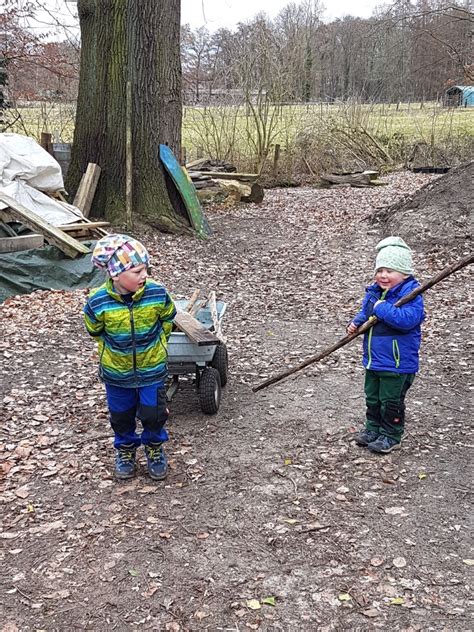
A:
(440, 212)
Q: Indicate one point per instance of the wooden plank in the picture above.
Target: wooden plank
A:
(87, 221)
(195, 163)
(194, 329)
(360, 179)
(80, 225)
(71, 247)
(215, 319)
(222, 175)
(21, 242)
(192, 300)
(87, 187)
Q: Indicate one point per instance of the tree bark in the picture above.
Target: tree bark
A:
(136, 41)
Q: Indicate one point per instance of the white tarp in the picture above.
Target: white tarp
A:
(26, 169)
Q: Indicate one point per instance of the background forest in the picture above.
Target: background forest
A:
(297, 81)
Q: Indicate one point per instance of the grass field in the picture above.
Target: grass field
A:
(246, 135)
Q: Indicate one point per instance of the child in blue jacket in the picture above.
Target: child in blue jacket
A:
(391, 346)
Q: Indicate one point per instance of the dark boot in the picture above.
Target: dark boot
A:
(365, 437)
(125, 466)
(384, 445)
(156, 461)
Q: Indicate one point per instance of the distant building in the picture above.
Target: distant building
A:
(459, 96)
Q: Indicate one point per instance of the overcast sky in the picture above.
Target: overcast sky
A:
(214, 14)
(218, 13)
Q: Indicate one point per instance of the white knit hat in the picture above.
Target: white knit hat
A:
(395, 254)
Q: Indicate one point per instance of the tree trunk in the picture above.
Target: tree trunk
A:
(136, 41)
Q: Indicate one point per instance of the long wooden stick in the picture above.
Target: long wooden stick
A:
(445, 272)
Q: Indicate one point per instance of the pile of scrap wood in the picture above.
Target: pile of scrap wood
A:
(186, 320)
(66, 236)
(360, 179)
(218, 180)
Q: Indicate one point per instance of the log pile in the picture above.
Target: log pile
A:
(218, 181)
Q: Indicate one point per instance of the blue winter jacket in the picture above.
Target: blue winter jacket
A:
(393, 343)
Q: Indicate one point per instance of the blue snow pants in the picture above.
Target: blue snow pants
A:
(147, 404)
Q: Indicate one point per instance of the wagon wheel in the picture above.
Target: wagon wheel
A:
(210, 391)
(220, 361)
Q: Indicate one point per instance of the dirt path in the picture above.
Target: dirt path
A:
(269, 499)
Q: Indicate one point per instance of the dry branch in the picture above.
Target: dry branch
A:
(445, 272)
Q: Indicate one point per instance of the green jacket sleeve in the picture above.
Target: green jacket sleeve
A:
(94, 325)
(167, 316)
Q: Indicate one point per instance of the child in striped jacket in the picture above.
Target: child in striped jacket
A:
(131, 317)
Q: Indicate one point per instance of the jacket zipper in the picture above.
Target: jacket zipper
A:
(396, 353)
(369, 337)
(134, 350)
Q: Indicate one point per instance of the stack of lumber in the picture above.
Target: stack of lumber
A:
(65, 237)
(217, 180)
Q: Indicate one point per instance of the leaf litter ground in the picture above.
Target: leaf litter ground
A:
(271, 517)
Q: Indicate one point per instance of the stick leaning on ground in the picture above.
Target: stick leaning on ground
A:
(445, 272)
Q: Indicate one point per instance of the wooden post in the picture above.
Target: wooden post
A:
(129, 159)
(276, 158)
(46, 142)
(87, 186)
(182, 156)
(200, 152)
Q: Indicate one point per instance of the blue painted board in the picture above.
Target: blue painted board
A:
(186, 189)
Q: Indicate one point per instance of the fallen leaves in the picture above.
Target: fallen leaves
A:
(256, 604)
(325, 529)
(396, 511)
(399, 562)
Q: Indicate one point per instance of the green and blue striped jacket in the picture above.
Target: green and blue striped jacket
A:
(133, 338)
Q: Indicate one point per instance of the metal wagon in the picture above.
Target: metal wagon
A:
(209, 363)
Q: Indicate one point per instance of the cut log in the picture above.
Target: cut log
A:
(218, 195)
(248, 192)
(194, 330)
(373, 175)
(354, 179)
(87, 186)
(71, 247)
(204, 183)
(21, 242)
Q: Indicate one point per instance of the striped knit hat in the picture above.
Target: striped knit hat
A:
(119, 253)
(395, 254)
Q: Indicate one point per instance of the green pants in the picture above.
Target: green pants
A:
(385, 399)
